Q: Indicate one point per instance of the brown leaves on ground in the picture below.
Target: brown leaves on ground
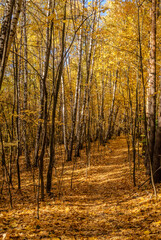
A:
(102, 204)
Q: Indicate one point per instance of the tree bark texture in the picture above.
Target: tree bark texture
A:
(8, 29)
(151, 101)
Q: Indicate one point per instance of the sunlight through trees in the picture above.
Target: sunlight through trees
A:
(74, 73)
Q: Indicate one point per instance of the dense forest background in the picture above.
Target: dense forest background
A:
(75, 74)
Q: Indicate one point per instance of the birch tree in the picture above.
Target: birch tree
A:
(27, 159)
(8, 29)
(88, 72)
(151, 100)
(55, 99)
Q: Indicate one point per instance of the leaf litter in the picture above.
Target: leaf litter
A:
(102, 204)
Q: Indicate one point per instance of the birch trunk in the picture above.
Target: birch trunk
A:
(64, 116)
(89, 59)
(47, 57)
(108, 134)
(8, 30)
(17, 81)
(55, 98)
(157, 149)
(74, 118)
(27, 159)
(151, 100)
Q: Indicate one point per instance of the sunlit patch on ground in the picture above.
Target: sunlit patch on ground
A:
(102, 203)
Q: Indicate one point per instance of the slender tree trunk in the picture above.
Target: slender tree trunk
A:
(99, 133)
(88, 65)
(64, 117)
(146, 161)
(115, 114)
(39, 127)
(108, 134)
(17, 80)
(151, 101)
(132, 127)
(157, 149)
(55, 98)
(27, 158)
(45, 73)
(13, 127)
(74, 117)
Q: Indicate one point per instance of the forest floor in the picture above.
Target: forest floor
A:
(98, 202)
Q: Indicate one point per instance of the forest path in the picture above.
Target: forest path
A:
(102, 204)
(100, 193)
(106, 179)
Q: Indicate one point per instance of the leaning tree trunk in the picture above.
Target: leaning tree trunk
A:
(8, 29)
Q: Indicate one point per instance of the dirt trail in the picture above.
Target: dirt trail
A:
(102, 204)
(99, 192)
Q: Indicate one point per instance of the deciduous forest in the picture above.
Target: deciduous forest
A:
(80, 119)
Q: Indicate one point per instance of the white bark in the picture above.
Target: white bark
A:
(8, 30)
